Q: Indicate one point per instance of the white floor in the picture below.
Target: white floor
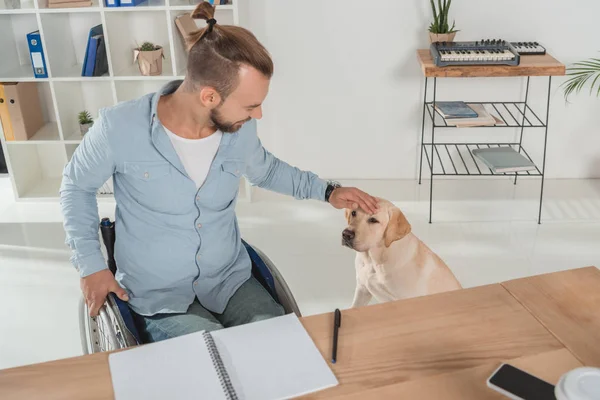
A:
(486, 231)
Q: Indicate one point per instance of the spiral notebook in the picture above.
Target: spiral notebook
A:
(272, 359)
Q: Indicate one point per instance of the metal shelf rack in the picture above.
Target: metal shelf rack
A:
(456, 158)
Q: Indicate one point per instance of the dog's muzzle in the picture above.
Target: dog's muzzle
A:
(348, 237)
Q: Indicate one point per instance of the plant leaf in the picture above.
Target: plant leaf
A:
(435, 18)
(441, 17)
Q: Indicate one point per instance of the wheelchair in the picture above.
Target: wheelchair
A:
(114, 327)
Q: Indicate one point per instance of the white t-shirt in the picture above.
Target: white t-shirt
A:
(196, 155)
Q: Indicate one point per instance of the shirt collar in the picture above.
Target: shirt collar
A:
(166, 89)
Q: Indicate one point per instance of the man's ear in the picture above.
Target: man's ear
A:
(347, 214)
(397, 228)
(209, 97)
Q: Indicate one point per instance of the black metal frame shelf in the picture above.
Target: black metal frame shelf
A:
(457, 159)
(503, 109)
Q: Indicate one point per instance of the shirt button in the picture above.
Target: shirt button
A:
(195, 283)
(197, 198)
(199, 226)
(146, 175)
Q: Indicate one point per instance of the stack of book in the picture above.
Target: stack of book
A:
(460, 114)
(69, 3)
(504, 159)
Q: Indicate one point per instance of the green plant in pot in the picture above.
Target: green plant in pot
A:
(149, 58)
(85, 121)
(580, 74)
(439, 29)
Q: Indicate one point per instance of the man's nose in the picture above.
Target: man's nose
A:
(257, 113)
(347, 234)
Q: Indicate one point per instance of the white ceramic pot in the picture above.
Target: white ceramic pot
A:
(441, 37)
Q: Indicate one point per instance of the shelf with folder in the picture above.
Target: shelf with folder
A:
(148, 5)
(512, 114)
(14, 47)
(66, 37)
(37, 168)
(62, 38)
(27, 113)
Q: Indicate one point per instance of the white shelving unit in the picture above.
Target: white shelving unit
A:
(35, 166)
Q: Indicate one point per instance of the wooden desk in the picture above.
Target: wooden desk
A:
(441, 346)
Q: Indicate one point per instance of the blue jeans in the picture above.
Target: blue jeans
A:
(250, 303)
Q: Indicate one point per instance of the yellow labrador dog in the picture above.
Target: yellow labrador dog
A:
(391, 262)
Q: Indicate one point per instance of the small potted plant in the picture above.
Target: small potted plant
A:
(439, 30)
(85, 121)
(149, 58)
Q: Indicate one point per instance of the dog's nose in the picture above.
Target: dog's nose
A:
(347, 234)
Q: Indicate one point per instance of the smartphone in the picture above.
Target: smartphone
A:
(519, 385)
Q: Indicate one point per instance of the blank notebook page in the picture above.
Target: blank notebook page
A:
(179, 368)
(273, 359)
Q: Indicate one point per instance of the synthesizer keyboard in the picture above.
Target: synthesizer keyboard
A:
(529, 48)
(484, 52)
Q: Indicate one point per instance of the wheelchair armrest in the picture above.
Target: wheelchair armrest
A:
(124, 317)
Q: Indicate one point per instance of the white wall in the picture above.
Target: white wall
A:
(346, 97)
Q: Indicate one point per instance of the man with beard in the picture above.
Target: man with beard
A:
(176, 158)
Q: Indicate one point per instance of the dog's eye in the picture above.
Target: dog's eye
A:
(373, 221)
(353, 213)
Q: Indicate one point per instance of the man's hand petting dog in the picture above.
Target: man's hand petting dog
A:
(353, 199)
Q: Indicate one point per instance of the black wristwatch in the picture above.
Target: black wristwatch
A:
(331, 186)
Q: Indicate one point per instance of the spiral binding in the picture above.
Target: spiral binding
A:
(220, 367)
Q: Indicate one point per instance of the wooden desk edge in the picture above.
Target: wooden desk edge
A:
(549, 67)
(587, 269)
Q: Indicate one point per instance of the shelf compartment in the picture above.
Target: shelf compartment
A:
(513, 114)
(148, 5)
(49, 130)
(66, 35)
(74, 97)
(14, 49)
(16, 6)
(457, 159)
(37, 168)
(43, 6)
(127, 30)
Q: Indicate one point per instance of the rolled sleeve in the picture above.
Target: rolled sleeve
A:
(90, 167)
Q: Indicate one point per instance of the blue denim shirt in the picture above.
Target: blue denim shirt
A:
(174, 242)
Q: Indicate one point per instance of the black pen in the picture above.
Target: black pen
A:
(337, 322)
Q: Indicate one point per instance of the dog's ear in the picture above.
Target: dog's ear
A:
(347, 214)
(397, 227)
